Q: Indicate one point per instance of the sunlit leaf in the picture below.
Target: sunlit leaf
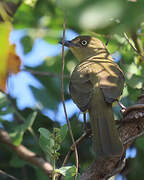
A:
(5, 29)
(30, 2)
(10, 62)
(19, 130)
(17, 136)
(67, 170)
(14, 62)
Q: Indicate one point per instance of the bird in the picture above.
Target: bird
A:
(95, 83)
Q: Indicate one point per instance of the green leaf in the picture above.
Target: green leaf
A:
(17, 162)
(27, 43)
(140, 142)
(68, 171)
(47, 146)
(135, 81)
(45, 133)
(51, 40)
(17, 135)
(29, 121)
(12, 1)
(7, 110)
(3, 102)
(63, 131)
(5, 106)
(46, 142)
(43, 97)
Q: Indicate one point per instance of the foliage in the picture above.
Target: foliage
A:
(50, 144)
(107, 20)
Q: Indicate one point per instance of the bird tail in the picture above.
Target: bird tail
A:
(106, 139)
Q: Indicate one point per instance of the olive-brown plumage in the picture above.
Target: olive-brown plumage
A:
(96, 82)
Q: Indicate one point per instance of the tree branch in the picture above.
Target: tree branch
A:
(132, 46)
(43, 73)
(6, 175)
(130, 128)
(26, 154)
(63, 102)
(10, 8)
(77, 142)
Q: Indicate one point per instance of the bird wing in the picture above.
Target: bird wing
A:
(96, 73)
(112, 81)
(80, 86)
(110, 78)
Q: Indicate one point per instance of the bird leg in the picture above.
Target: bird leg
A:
(123, 108)
(85, 122)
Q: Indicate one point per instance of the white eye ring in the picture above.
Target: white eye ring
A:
(84, 42)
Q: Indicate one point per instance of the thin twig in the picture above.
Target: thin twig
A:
(133, 47)
(42, 73)
(77, 142)
(8, 175)
(63, 99)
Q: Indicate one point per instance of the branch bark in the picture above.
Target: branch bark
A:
(26, 154)
(10, 8)
(130, 128)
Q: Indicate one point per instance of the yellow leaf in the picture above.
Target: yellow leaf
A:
(14, 61)
(5, 29)
(9, 61)
(3, 80)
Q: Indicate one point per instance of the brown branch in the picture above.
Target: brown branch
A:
(10, 7)
(131, 139)
(63, 100)
(77, 142)
(26, 154)
(43, 73)
(117, 170)
(130, 128)
(14, 6)
(137, 42)
(132, 46)
(6, 175)
(137, 47)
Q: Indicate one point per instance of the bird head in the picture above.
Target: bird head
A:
(84, 47)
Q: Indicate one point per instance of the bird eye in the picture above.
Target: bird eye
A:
(84, 42)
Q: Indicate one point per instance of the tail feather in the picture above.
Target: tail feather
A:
(106, 139)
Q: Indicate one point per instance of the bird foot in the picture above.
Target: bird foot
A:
(123, 108)
(85, 123)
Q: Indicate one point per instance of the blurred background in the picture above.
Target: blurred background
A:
(37, 29)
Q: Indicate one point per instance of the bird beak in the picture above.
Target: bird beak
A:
(67, 43)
